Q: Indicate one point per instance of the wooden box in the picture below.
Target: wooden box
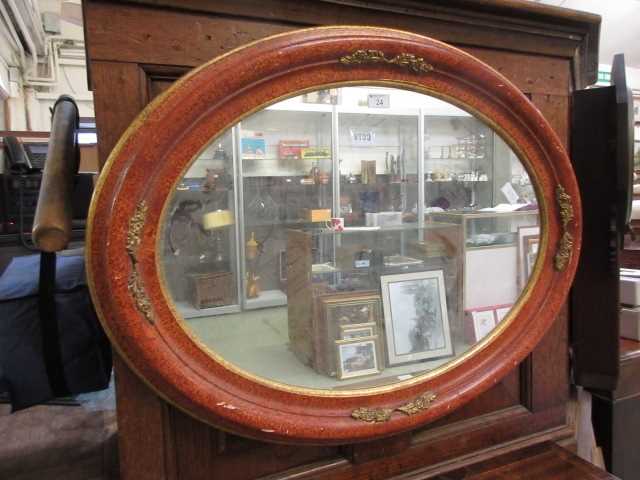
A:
(316, 214)
(368, 172)
(211, 289)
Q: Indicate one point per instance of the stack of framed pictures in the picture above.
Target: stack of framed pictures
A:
(347, 334)
(362, 333)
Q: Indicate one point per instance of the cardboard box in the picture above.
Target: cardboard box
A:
(630, 323)
(383, 219)
(253, 145)
(315, 153)
(630, 291)
(368, 172)
(316, 214)
(214, 289)
(291, 149)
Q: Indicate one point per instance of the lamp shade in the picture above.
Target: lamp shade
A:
(217, 219)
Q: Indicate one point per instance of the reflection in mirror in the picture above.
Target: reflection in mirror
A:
(349, 238)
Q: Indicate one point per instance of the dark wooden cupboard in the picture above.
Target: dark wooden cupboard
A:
(136, 50)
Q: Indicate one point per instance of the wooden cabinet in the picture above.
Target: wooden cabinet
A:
(137, 50)
(616, 420)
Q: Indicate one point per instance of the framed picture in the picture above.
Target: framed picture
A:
(501, 312)
(531, 253)
(327, 96)
(356, 358)
(282, 267)
(349, 332)
(338, 313)
(415, 316)
(636, 107)
(484, 321)
(528, 242)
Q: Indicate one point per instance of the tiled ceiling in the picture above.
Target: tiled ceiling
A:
(620, 30)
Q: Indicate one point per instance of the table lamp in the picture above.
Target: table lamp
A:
(213, 223)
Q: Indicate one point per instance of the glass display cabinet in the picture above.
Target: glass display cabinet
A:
(504, 243)
(327, 257)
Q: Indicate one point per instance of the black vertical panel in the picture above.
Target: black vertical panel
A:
(595, 292)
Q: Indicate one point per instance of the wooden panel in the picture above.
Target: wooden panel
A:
(539, 29)
(550, 367)
(539, 76)
(141, 422)
(119, 94)
(546, 461)
(555, 109)
(165, 37)
(441, 448)
(550, 359)
(215, 36)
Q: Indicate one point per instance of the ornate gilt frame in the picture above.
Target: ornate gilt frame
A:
(125, 224)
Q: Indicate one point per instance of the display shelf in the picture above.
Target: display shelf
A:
(187, 311)
(295, 105)
(267, 298)
(459, 181)
(393, 112)
(349, 231)
(281, 174)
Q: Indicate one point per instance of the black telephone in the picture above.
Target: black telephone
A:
(23, 158)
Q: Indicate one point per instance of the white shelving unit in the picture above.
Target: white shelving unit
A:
(325, 125)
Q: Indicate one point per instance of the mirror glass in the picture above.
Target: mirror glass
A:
(349, 238)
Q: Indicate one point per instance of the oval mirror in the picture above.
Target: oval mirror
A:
(349, 261)
(353, 235)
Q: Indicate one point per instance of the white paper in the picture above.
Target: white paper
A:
(504, 207)
(510, 193)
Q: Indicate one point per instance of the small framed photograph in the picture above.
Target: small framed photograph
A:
(282, 267)
(340, 312)
(528, 242)
(415, 316)
(357, 358)
(501, 312)
(350, 332)
(531, 253)
(636, 107)
(484, 321)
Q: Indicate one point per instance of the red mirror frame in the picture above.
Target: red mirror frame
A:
(127, 209)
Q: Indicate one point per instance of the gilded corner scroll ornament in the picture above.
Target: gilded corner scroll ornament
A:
(134, 283)
(372, 415)
(379, 415)
(421, 403)
(565, 246)
(408, 60)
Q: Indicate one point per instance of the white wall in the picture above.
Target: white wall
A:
(29, 98)
(71, 75)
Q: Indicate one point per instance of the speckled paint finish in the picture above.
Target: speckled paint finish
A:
(153, 153)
